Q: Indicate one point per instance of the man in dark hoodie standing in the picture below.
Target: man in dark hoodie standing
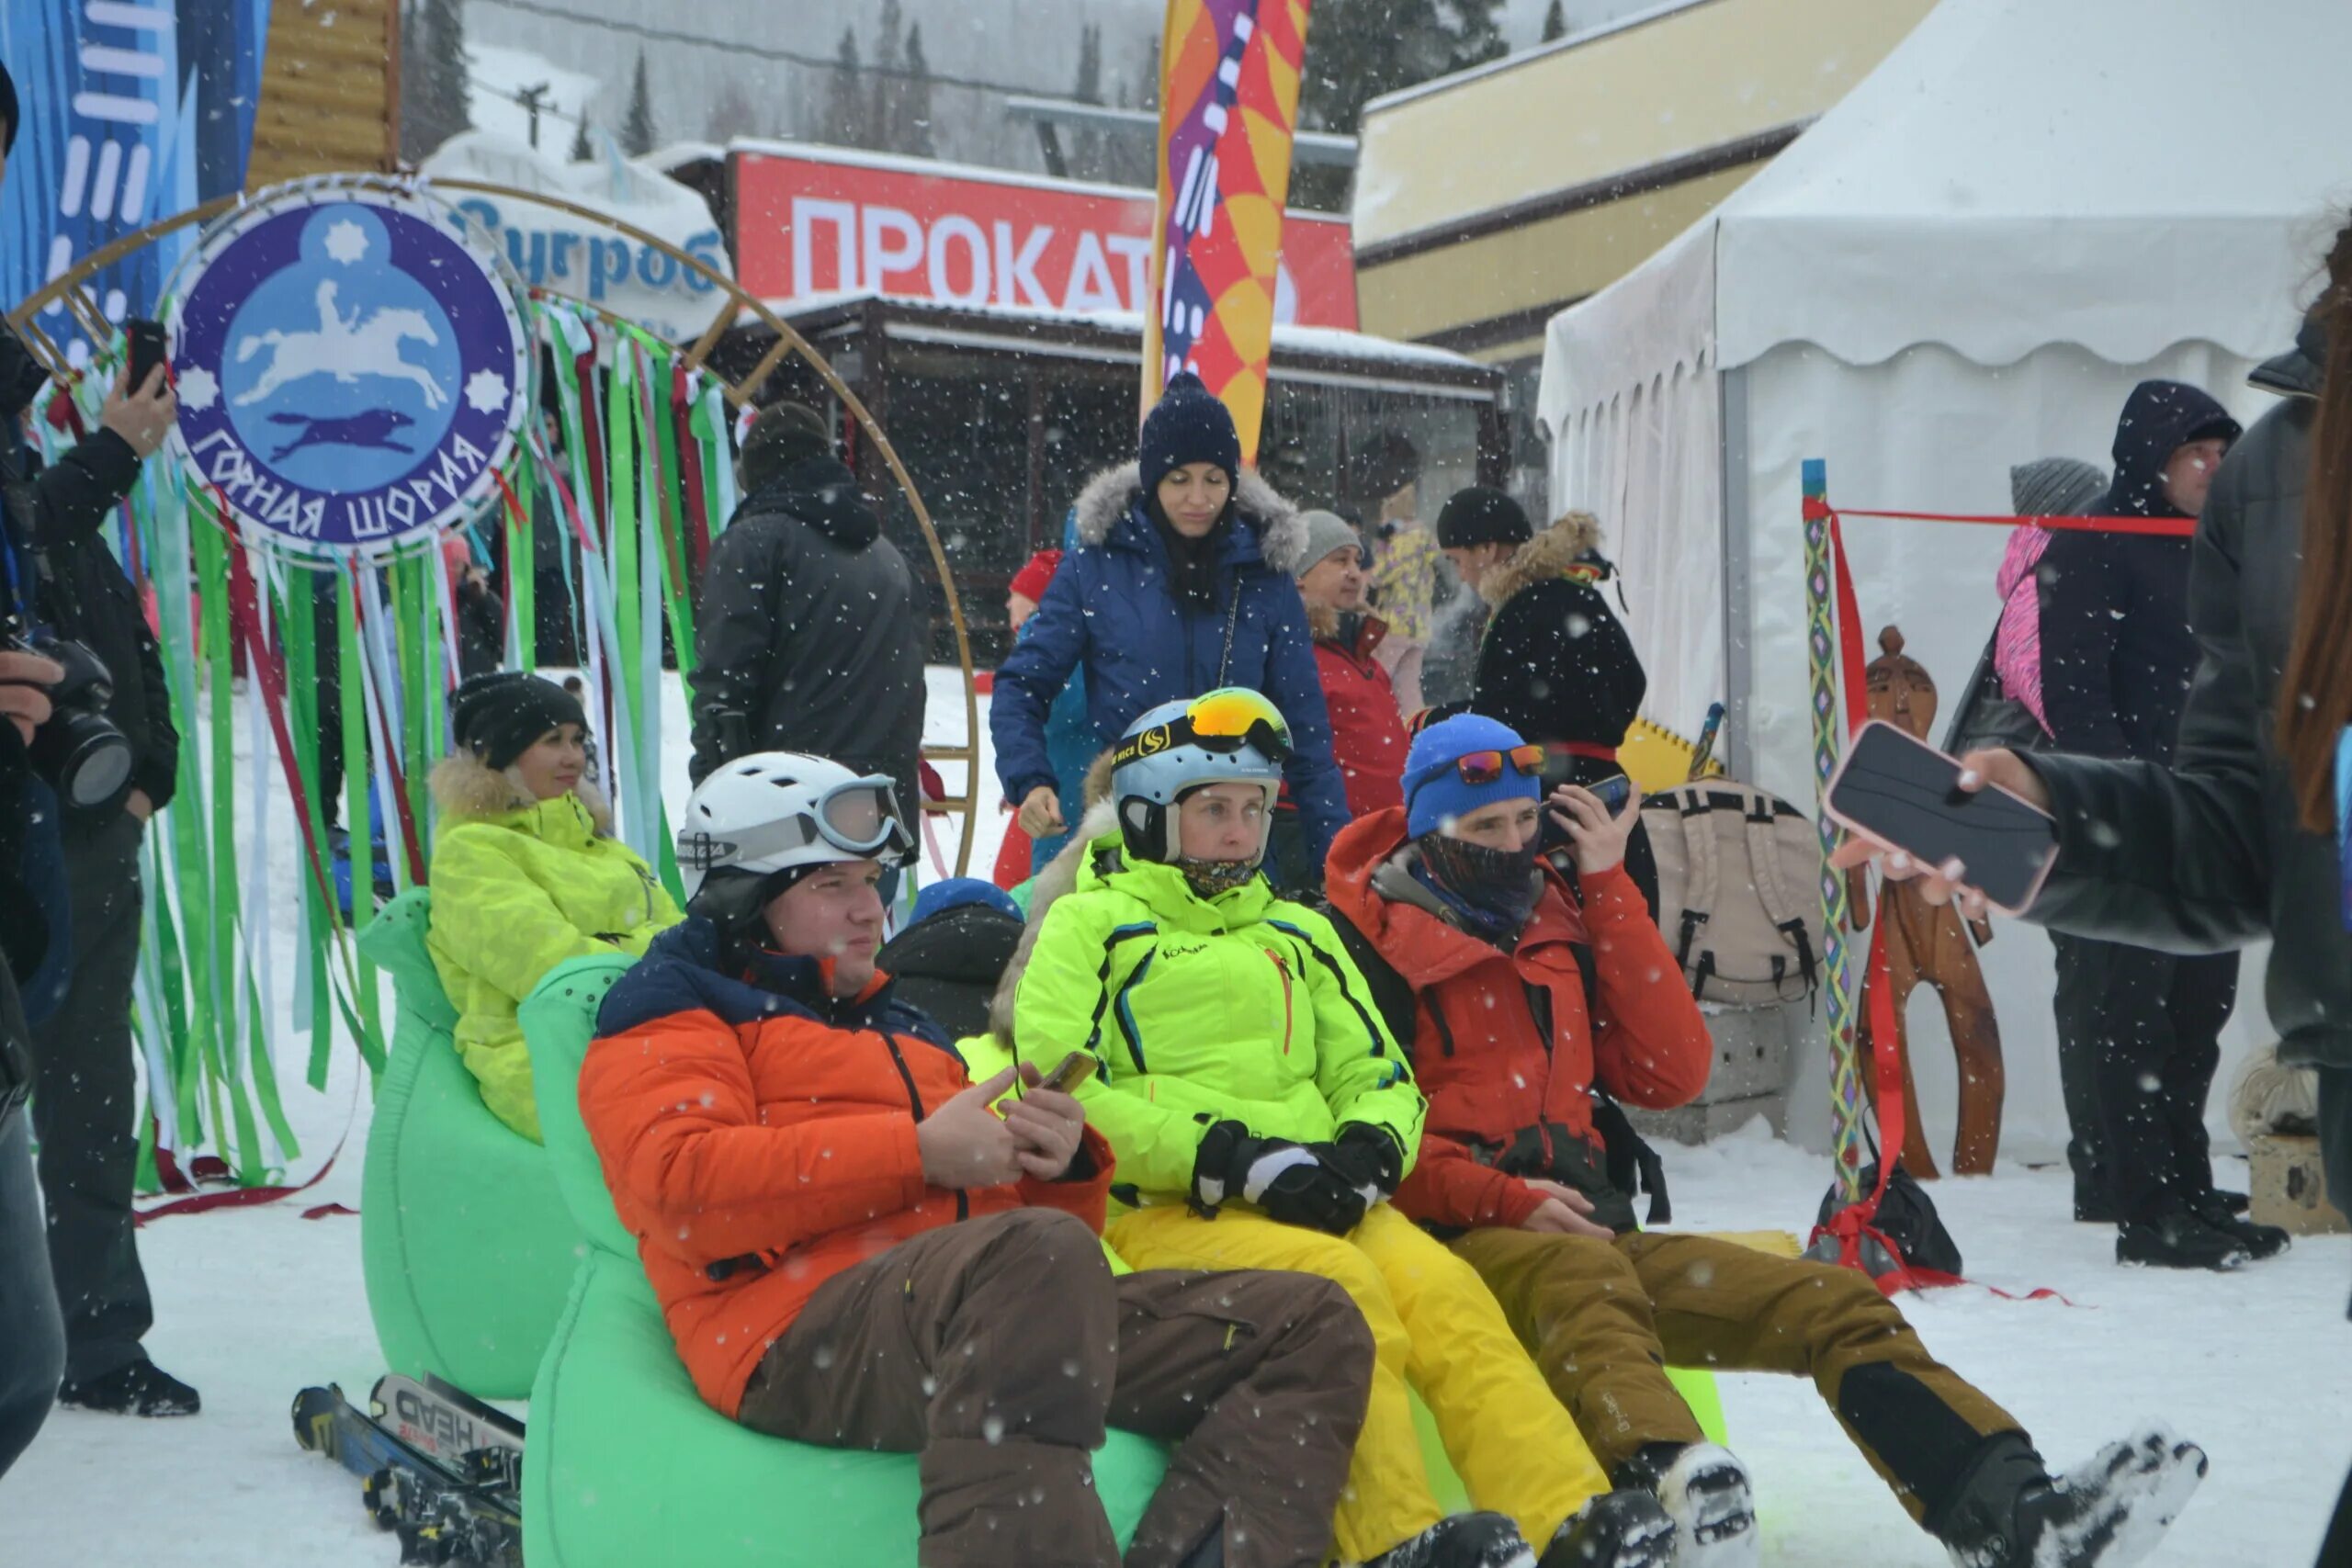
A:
(2139, 1031)
(85, 1094)
(810, 633)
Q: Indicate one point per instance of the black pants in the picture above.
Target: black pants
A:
(2139, 1036)
(2336, 1153)
(32, 1341)
(86, 1104)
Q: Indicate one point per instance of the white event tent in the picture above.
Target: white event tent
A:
(1967, 263)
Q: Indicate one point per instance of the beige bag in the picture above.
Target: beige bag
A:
(1738, 892)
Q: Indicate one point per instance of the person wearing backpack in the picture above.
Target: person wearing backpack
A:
(1515, 1001)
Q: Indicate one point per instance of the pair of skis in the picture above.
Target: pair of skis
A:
(437, 1466)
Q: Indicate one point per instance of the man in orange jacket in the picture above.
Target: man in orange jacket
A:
(852, 1247)
(1517, 991)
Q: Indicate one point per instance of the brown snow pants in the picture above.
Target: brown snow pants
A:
(1001, 1348)
(1605, 1319)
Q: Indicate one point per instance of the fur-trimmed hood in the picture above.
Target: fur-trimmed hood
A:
(1282, 536)
(1059, 876)
(1550, 554)
(464, 785)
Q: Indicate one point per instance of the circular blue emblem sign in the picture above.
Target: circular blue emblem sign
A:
(351, 370)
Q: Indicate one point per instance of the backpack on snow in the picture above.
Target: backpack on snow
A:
(1739, 899)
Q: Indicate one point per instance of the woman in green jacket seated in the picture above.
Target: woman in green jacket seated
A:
(525, 873)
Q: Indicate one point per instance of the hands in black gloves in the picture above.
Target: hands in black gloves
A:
(1290, 1182)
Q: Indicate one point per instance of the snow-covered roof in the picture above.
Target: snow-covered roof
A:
(1328, 343)
(2124, 175)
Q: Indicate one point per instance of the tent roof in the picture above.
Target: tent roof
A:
(2124, 175)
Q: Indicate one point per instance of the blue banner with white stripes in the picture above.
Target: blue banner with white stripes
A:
(133, 110)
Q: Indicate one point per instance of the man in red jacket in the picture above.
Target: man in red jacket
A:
(853, 1248)
(1517, 991)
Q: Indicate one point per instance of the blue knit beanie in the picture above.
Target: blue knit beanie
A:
(1435, 791)
(954, 892)
(1189, 425)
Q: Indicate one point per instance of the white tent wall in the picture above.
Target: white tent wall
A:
(1929, 431)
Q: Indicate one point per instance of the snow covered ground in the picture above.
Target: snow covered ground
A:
(253, 1304)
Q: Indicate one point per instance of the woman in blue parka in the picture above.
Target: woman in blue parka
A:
(1182, 582)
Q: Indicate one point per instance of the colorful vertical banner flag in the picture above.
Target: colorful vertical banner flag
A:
(1229, 94)
(133, 110)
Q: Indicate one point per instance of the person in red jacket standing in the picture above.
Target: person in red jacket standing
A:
(853, 1248)
(1517, 991)
(1367, 732)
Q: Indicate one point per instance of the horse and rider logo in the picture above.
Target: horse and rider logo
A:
(353, 369)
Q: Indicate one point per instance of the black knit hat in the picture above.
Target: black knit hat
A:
(1482, 515)
(500, 716)
(1188, 425)
(8, 111)
(784, 435)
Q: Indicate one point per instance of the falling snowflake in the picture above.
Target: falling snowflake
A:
(486, 391)
(346, 242)
(198, 390)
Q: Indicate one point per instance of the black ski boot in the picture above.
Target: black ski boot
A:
(2179, 1239)
(2261, 1241)
(139, 1389)
(1627, 1528)
(1462, 1540)
(2109, 1512)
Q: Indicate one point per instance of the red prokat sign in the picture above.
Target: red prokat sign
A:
(810, 222)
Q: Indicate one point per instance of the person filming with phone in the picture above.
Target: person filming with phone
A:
(110, 753)
(2139, 1024)
(2241, 833)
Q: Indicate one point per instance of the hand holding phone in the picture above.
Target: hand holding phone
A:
(1976, 827)
(1068, 1073)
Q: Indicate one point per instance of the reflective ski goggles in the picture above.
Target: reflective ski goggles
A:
(859, 818)
(1482, 768)
(1223, 721)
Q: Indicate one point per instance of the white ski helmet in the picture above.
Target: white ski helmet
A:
(774, 812)
(1228, 736)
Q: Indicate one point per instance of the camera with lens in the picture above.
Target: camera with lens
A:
(80, 753)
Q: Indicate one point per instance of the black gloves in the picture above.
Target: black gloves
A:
(1368, 1158)
(1284, 1180)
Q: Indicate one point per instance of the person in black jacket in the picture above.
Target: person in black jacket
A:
(811, 630)
(85, 1096)
(1555, 663)
(32, 1336)
(2241, 838)
(2117, 655)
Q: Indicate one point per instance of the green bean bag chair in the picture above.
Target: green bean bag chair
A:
(465, 1240)
(627, 1465)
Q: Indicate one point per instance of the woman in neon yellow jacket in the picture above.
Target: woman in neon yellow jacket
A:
(1261, 1116)
(525, 873)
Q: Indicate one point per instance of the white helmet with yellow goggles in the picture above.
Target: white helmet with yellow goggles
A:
(1232, 735)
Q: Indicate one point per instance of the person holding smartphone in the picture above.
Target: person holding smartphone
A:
(2245, 836)
(854, 1247)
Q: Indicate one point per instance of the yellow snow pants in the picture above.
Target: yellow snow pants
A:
(1434, 1327)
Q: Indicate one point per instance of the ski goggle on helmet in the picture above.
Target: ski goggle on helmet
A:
(1232, 735)
(782, 811)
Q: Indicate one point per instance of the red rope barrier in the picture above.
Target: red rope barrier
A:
(2158, 527)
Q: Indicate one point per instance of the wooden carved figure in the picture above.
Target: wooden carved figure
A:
(1927, 944)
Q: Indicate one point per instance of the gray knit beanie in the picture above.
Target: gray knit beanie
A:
(1325, 532)
(2054, 487)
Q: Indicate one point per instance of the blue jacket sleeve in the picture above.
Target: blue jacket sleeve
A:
(1050, 646)
(1296, 688)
